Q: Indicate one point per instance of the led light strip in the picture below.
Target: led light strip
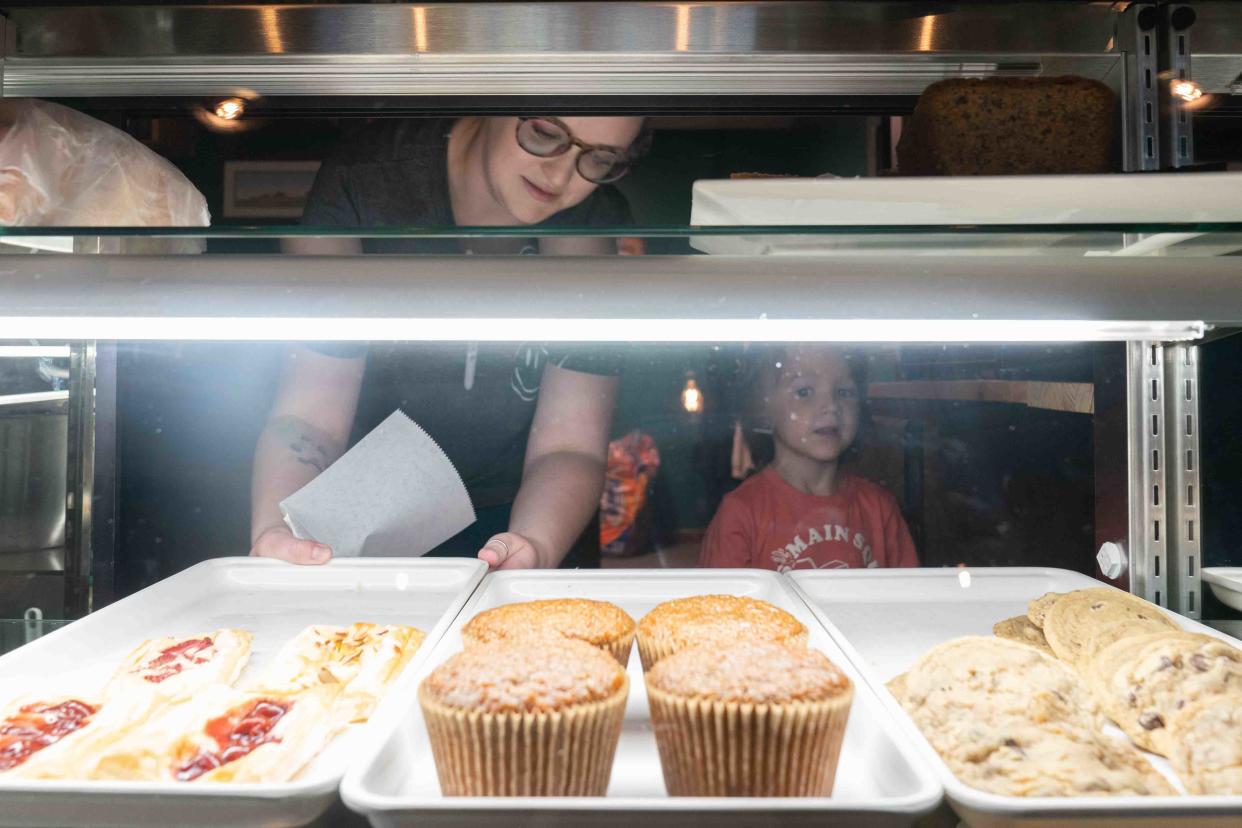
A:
(483, 329)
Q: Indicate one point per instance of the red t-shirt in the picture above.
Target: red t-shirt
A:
(769, 524)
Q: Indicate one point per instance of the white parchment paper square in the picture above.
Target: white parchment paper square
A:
(395, 493)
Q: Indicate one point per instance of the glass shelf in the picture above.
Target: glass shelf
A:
(1195, 239)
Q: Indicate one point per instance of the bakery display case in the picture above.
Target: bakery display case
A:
(1040, 343)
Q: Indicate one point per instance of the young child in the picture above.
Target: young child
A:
(802, 510)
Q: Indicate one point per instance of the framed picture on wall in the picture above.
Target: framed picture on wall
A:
(267, 189)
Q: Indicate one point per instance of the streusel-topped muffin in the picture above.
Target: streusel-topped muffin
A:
(542, 713)
(752, 719)
(599, 623)
(720, 620)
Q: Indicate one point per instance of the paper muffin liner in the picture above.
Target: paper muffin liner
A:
(715, 748)
(618, 648)
(562, 753)
(652, 648)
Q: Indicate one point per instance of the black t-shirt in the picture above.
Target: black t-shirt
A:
(395, 174)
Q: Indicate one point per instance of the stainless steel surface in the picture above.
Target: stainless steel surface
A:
(266, 297)
(1146, 425)
(1184, 494)
(742, 48)
(40, 560)
(33, 440)
(1218, 46)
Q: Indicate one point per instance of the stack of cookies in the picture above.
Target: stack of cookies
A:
(1022, 714)
(1174, 693)
(1010, 720)
(740, 705)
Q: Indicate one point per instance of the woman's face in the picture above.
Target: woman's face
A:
(533, 189)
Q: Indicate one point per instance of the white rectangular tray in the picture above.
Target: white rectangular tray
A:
(955, 201)
(272, 599)
(878, 782)
(885, 619)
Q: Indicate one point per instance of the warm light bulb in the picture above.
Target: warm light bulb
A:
(230, 109)
(1187, 90)
(692, 397)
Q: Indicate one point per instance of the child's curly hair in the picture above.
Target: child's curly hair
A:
(757, 373)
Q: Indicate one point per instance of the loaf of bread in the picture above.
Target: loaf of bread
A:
(1010, 126)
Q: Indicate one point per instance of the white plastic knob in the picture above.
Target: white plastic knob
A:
(1112, 559)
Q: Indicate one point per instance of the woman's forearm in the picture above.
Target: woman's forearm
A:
(559, 494)
(290, 453)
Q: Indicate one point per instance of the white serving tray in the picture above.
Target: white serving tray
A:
(885, 619)
(879, 780)
(959, 201)
(1226, 584)
(272, 599)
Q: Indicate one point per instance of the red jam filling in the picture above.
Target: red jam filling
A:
(172, 660)
(36, 726)
(236, 733)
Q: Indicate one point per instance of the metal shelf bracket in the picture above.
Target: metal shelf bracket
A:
(1185, 521)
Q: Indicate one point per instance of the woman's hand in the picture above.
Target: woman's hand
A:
(510, 551)
(279, 542)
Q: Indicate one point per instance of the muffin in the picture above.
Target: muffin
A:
(713, 619)
(598, 623)
(754, 719)
(532, 716)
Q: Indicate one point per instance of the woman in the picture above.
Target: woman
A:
(527, 425)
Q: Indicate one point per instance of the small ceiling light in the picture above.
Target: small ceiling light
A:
(691, 396)
(230, 109)
(1187, 90)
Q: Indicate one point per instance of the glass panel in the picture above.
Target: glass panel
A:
(1062, 242)
(14, 632)
(984, 453)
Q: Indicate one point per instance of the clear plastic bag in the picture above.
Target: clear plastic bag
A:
(61, 168)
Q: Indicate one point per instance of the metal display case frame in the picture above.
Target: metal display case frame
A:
(764, 57)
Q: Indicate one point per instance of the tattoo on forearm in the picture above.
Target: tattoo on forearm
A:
(308, 444)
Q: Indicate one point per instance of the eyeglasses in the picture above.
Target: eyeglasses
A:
(549, 137)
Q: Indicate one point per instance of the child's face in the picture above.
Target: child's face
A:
(814, 406)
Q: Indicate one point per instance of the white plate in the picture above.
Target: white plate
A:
(885, 619)
(1226, 583)
(878, 782)
(274, 600)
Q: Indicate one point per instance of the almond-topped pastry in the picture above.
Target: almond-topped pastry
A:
(363, 658)
(719, 620)
(542, 713)
(598, 623)
(751, 719)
